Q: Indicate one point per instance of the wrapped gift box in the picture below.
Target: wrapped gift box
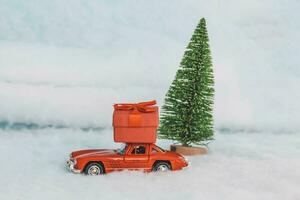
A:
(135, 122)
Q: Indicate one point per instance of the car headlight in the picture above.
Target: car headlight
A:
(73, 160)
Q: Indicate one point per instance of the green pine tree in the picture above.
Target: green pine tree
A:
(187, 113)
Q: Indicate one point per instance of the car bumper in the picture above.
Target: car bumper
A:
(71, 167)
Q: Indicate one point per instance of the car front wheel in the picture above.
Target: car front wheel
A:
(94, 169)
(161, 167)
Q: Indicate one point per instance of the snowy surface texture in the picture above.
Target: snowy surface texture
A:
(64, 63)
(238, 166)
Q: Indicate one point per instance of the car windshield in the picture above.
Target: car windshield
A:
(122, 149)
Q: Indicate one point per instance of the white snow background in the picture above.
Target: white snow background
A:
(64, 63)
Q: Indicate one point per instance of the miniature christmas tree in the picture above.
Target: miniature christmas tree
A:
(187, 113)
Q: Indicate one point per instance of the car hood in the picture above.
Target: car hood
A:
(93, 152)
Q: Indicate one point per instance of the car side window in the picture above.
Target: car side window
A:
(154, 151)
(139, 150)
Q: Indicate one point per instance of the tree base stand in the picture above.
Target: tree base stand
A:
(188, 151)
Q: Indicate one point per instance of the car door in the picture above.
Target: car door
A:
(137, 157)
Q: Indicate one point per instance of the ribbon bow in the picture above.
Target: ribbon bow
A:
(142, 106)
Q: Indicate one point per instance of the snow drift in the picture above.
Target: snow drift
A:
(64, 63)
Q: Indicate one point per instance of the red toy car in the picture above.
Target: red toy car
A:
(132, 156)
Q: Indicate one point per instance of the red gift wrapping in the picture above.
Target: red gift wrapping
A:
(135, 122)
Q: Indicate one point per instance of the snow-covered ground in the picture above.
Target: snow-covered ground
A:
(64, 63)
(239, 166)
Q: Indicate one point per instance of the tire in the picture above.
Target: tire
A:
(161, 167)
(94, 169)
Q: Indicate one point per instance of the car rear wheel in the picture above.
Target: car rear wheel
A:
(94, 169)
(161, 167)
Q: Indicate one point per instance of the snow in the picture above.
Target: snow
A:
(63, 65)
(239, 166)
(79, 52)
